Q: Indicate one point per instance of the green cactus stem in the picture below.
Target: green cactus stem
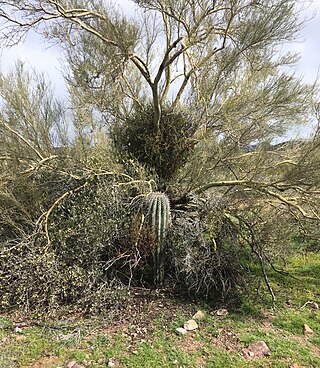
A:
(157, 212)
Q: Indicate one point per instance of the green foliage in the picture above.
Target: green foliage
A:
(162, 149)
(193, 116)
(71, 267)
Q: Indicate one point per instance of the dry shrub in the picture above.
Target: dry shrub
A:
(206, 258)
(221, 252)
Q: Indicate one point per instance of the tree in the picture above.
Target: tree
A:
(190, 95)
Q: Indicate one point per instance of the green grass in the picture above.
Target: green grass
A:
(217, 343)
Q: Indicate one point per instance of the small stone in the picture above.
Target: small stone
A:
(198, 315)
(190, 325)
(181, 331)
(70, 364)
(111, 363)
(17, 330)
(315, 305)
(175, 362)
(307, 330)
(221, 312)
(257, 350)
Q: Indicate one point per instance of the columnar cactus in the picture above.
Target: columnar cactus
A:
(157, 212)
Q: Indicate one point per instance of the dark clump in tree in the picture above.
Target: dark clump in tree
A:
(162, 150)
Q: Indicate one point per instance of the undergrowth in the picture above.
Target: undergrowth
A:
(148, 338)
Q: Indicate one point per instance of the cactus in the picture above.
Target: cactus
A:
(157, 213)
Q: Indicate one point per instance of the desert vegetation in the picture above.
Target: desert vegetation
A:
(168, 167)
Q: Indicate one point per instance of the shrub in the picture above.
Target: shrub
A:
(221, 253)
(162, 150)
(207, 259)
(73, 267)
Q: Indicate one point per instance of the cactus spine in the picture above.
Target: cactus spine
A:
(158, 217)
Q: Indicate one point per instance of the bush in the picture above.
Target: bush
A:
(162, 150)
(220, 252)
(93, 244)
(207, 259)
(72, 268)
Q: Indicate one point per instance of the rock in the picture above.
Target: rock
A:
(190, 325)
(198, 315)
(111, 363)
(256, 350)
(73, 364)
(221, 312)
(17, 330)
(181, 331)
(307, 330)
(70, 364)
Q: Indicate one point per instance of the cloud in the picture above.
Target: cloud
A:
(38, 55)
(309, 44)
(45, 58)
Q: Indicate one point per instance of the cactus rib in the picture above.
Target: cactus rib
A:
(158, 217)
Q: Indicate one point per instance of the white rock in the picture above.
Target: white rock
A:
(70, 364)
(222, 312)
(307, 330)
(190, 325)
(181, 331)
(198, 315)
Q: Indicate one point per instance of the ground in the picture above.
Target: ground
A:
(145, 336)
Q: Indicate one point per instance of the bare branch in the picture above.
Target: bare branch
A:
(22, 139)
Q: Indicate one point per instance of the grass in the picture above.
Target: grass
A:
(150, 340)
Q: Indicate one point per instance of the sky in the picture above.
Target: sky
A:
(46, 58)
(309, 43)
(37, 54)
